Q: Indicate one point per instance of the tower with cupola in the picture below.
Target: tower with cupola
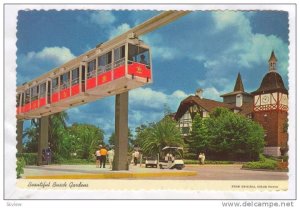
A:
(270, 109)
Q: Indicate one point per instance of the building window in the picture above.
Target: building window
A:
(185, 130)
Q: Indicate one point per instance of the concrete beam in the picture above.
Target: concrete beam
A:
(43, 137)
(20, 136)
(121, 129)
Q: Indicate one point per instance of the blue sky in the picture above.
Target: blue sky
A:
(200, 50)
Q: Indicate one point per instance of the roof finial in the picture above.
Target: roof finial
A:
(272, 62)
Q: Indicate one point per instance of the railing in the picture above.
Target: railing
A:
(64, 85)
(102, 69)
(75, 81)
(119, 62)
(91, 74)
(55, 88)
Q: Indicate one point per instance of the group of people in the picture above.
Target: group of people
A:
(102, 154)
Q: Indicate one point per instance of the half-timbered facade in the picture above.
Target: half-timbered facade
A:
(268, 106)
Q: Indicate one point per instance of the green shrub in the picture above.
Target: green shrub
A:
(208, 162)
(190, 156)
(263, 163)
(285, 158)
(20, 166)
(30, 158)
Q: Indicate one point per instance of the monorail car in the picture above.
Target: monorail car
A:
(101, 72)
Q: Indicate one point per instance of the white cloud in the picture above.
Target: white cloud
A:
(232, 18)
(259, 51)
(119, 30)
(155, 100)
(40, 62)
(57, 55)
(148, 97)
(211, 93)
(158, 48)
(102, 18)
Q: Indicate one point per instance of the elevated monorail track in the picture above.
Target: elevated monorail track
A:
(113, 67)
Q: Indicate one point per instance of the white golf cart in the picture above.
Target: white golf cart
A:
(171, 158)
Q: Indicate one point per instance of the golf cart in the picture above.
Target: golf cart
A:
(151, 162)
(171, 158)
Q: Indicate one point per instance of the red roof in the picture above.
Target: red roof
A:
(207, 104)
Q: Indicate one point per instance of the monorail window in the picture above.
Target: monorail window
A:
(27, 96)
(91, 69)
(65, 80)
(119, 56)
(138, 54)
(43, 89)
(18, 99)
(23, 99)
(104, 62)
(75, 76)
(55, 86)
(34, 93)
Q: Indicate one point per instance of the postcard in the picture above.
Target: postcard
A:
(149, 101)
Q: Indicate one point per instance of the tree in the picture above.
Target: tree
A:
(233, 136)
(198, 139)
(84, 139)
(112, 139)
(32, 133)
(58, 135)
(152, 138)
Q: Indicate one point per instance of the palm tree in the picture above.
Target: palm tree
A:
(155, 137)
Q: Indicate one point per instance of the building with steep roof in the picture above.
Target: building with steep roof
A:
(238, 96)
(267, 106)
(237, 101)
(271, 108)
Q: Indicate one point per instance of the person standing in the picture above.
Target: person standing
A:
(48, 155)
(111, 154)
(201, 158)
(136, 157)
(98, 158)
(103, 153)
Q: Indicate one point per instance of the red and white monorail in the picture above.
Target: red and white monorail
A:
(101, 72)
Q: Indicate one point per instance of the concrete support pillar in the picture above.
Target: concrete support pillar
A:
(19, 136)
(43, 137)
(121, 129)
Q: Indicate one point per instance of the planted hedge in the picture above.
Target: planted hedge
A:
(220, 162)
(263, 163)
(30, 158)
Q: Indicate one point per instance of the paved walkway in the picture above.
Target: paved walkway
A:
(190, 172)
(91, 172)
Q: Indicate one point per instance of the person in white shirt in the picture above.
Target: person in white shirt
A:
(201, 158)
(98, 158)
(111, 154)
(136, 157)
